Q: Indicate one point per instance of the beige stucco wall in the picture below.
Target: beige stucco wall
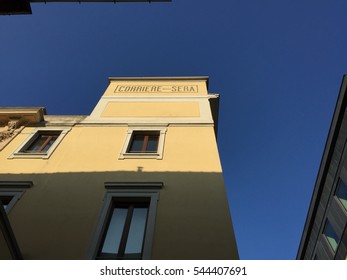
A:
(95, 149)
(192, 220)
(156, 87)
(63, 205)
(57, 216)
(163, 100)
(151, 109)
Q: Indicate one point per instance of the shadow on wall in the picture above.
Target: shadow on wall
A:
(57, 217)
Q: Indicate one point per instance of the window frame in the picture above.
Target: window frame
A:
(110, 199)
(130, 204)
(8, 235)
(146, 135)
(125, 154)
(16, 189)
(334, 250)
(20, 151)
(16, 195)
(339, 185)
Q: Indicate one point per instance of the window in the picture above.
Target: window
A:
(6, 229)
(11, 192)
(125, 227)
(124, 235)
(40, 143)
(9, 199)
(5, 200)
(341, 193)
(331, 236)
(144, 143)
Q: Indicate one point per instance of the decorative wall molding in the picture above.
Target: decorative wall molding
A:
(12, 128)
(9, 131)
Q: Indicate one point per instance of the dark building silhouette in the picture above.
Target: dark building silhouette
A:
(325, 234)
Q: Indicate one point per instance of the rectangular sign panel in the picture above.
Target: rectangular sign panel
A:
(156, 89)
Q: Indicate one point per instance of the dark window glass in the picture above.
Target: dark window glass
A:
(152, 145)
(6, 200)
(42, 142)
(124, 235)
(144, 142)
(136, 143)
(341, 193)
(331, 235)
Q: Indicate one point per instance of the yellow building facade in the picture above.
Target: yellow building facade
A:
(139, 178)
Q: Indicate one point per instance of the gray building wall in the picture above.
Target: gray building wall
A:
(325, 206)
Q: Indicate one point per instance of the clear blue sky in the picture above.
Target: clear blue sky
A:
(277, 65)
